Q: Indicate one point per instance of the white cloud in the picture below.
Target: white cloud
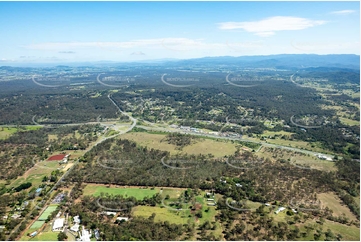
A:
(343, 12)
(168, 43)
(270, 26)
(137, 53)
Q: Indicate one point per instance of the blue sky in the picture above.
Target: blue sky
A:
(128, 31)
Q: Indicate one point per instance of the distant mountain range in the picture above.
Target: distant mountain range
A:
(284, 61)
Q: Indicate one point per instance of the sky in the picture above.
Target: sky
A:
(51, 32)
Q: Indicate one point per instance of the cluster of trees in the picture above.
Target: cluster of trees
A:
(54, 106)
(23, 186)
(180, 140)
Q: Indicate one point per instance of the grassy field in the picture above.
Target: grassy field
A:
(162, 214)
(202, 146)
(314, 163)
(298, 159)
(139, 194)
(181, 216)
(334, 203)
(349, 121)
(348, 232)
(272, 133)
(47, 212)
(6, 132)
(46, 236)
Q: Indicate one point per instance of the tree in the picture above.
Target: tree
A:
(62, 236)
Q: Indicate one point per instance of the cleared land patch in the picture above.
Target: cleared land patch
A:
(138, 193)
(202, 146)
(162, 214)
(6, 132)
(349, 121)
(335, 204)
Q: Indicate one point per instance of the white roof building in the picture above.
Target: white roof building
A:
(122, 218)
(85, 235)
(76, 219)
(110, 213)
(58, 224)
(280, 209)
(75, 228)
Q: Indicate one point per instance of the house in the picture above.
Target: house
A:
(84, 235)
(58, 224)
(75, 227)
(122, 219)
(33, 233)
(267, 204)
(211, 204)
(76, 219)
(294, 210)
(280, 209)
(96, 234)
(210, 199)
(323, 157)
(16, 216)
(110, 213)
(238, 185)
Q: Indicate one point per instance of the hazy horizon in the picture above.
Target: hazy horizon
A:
(73, 32)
